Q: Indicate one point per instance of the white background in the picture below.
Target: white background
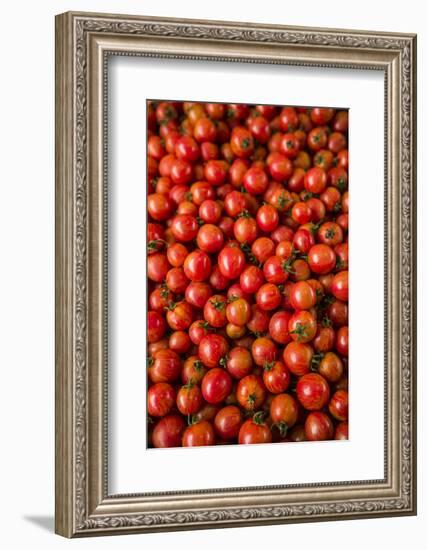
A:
(27, 245)
(133, 468)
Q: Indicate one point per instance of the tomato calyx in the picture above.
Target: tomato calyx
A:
(258, 418)
(282, 200)
(268, 366)
(244, 214)
(171, 306)
(341, 185)
(326, 322)
(282, 427)
(251, 400)
(200, 222)
(150, 361)
(198, 365)
(300, 330)
(155, 245)
(250, 256)
(315, 361)
(218, 304)
(150, 420)
(223, 361)
(232, 298)
(246, 142)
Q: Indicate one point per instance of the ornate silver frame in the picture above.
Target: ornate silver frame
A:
(83, 42)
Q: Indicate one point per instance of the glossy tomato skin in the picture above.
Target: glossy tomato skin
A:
(302, 296)
(212, 348)
(168, 431)
(341, 431)
(251, 392)
(179, 316)
(340, 286)
(302, 326)
(264, 351)
(198, 293)
(338, 405)
(284, 411)
(297, 357)
(160, 399)
(318, 427)
(321, 259)
(157, 267)
(238, 312)
(198, 435)
(228, 421)
(179, 341)
(184, 227)
(239, 362)
(312, 391)
(254, 432)
(278, 327)
(331, 367)
(189, 399)
(165, 367)
(231, 261)
(156, 326)
(268, 297)
(214, 311)
(251, 279)
(197, 266)
(210, 238)
(276, 377)
(341, 341)
(193, 370)
(216, 385)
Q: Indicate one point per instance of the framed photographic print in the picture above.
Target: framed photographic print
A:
(220, 361)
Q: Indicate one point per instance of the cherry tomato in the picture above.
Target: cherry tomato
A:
(198, 435)
(212, 348)
(276, 377)
(216, 385)
(254, 431)
(168, 431)
(318, 427)
(312, 391)
(160, 399)
(228, 422)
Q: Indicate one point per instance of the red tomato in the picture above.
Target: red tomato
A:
(198, 293)
(228, 422)
(238, 312)
(193, 370)
(164, 366)
(156, 326)
(189, 399)
(231, 261)
(321, 259)
(216, 385)
(215, 311)
(239, 362)
(318, 427)
(197, 435)
(312, 391)
(268, 297)
(212, 348)
(255, 181)
(264, 351)
(179, 316)
(168, 431)
(284, 412)
(339, 286)
(302, 326)
(331, 367)
(160, 399)
(338, 405)
(254, 431)
(276, 377)
(303, 296)
(250, 392)
(184, 227)
(197, 266)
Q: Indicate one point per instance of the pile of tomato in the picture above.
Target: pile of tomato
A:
(247, 266)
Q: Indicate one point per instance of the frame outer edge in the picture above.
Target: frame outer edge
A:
(73, 402)
(64, 276)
